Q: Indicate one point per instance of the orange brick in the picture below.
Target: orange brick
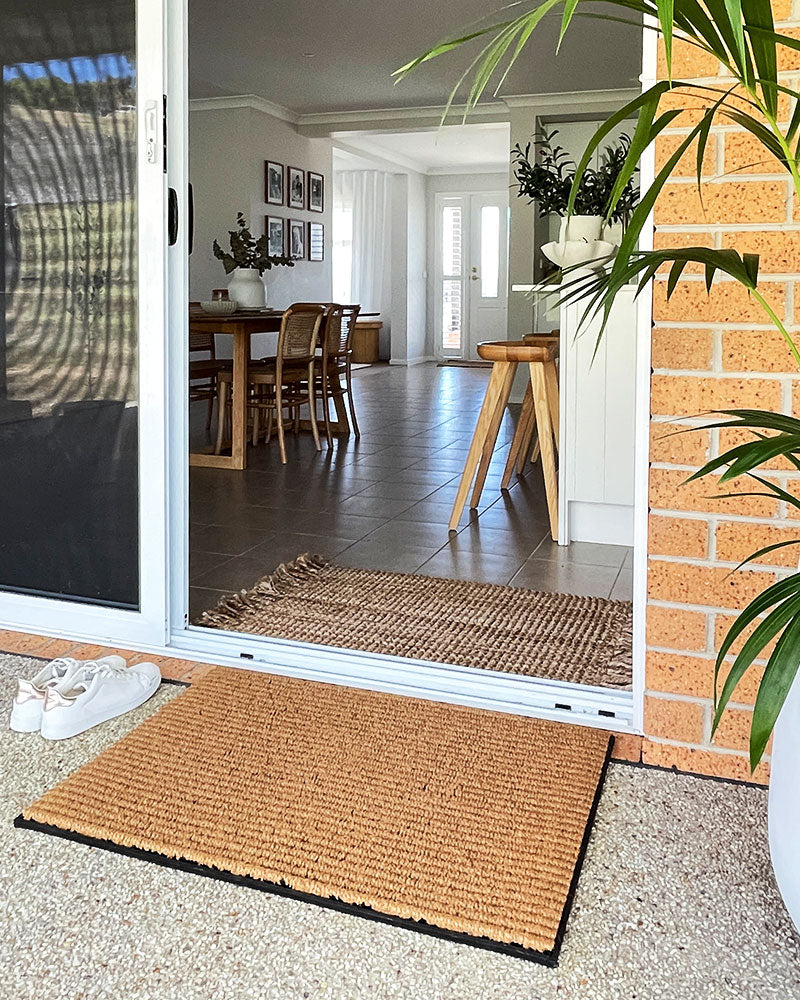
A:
(670, 491)
(781, 10)
(670, 673)
(701, 761)
(788, 59)
(726, 201)
(693, 102)
(722, 625)
(688, 62)
(686, 166)
(778, 251)
(676, 629)
(26, 643)
(673, 720)
(680, 241)
(677, 536)
(736, 540)
(746, 690)
(745, 155)
(728, 302)
(171, 669)
(678, 444)
(627, 746)
(732, 437)
(756, 351)
(691, 395)
(733, 732)
(676, 348)
(684, 583)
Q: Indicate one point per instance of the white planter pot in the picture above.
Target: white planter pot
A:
(784, 803)
(581, 227)
(247, 289)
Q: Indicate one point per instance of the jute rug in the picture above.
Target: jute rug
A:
(454, 821)
(585, 640)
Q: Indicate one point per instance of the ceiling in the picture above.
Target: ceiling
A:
(452, 149)
(316, 56)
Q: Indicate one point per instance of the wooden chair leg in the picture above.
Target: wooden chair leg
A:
(256, 421)
(491, 437)
(350, 401)
(521, 436)
(551, 379)
(279, 415)
(326, 410)
(312, 407)
(541, 402)
(497, 380)
(222, 413)
(210, 414)
(269, 425)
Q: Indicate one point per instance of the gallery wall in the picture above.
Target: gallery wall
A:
(228, 150)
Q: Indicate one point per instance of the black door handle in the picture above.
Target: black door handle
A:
(191, 219)
(172, 218)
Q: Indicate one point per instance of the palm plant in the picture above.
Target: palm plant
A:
(740, 35)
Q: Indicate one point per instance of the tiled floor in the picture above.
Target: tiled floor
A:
(384, 502)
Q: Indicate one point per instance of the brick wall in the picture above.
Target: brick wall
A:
(711, 352)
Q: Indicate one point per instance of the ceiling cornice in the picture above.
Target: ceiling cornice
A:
(568, 101)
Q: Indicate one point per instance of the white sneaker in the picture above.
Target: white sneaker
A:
(26, 708)
(88, 697)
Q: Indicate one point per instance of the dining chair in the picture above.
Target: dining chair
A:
(203, 372)
(337, 363)
(285, 382)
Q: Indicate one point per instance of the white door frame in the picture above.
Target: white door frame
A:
(465, 198)
(47, 615)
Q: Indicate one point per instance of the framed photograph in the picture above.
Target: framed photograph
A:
(316, 192)
(297, 188)
(297, 239)
(275, 229)
(273, 183)
(316, 241)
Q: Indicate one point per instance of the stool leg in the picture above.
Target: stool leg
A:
(491, 437)
(539, 384)
(497, 380)
(551, 378)
(521, 434)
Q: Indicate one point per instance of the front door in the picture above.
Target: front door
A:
(82, 307)
(471, 271)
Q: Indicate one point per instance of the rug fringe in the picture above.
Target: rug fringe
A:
(620, 666)
(286, 579)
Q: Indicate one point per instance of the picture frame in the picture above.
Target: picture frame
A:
(274, 183)
(296, 188)
(316, 241)
(297, 239)
(316, 192)
(275, 228)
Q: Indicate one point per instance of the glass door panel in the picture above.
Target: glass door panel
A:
(69, 400)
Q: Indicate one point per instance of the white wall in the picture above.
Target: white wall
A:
(228, 148)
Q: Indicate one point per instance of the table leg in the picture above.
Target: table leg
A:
(241, 350)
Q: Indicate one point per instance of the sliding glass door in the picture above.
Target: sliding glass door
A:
(82, 305)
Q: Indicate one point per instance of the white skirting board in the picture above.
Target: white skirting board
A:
(605, 523)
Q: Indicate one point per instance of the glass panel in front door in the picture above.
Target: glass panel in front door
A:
(68, 308)
(488, 289)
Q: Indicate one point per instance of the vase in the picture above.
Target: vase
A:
(247, 289)
(784, 802)
(580, 227)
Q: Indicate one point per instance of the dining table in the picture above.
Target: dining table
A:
(242, 325)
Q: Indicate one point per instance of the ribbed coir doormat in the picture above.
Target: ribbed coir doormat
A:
(453, 821)
(585, 640)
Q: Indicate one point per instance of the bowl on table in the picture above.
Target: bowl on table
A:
(219, 307)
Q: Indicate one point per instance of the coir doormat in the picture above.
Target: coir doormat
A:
(457, 822)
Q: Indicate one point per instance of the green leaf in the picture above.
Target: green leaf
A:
(758, 14)
(778, 678)
(666, 18)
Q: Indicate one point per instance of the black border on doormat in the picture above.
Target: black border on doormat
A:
(546, 958)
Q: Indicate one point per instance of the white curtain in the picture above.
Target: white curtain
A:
(362, 206)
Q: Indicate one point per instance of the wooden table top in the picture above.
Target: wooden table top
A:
(199, 318)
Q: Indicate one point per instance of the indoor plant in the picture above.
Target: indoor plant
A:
(248, 259)
(740, 35)
(547, 179)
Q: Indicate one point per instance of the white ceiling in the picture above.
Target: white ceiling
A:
(314, 56)
(451, 149)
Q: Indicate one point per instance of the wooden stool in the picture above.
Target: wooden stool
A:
(525, 442)
(506, 356)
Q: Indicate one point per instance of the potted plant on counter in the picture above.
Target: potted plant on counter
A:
(740, 36)
(545, 175)
(248, 259)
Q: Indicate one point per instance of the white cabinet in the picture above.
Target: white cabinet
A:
(598, 410)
